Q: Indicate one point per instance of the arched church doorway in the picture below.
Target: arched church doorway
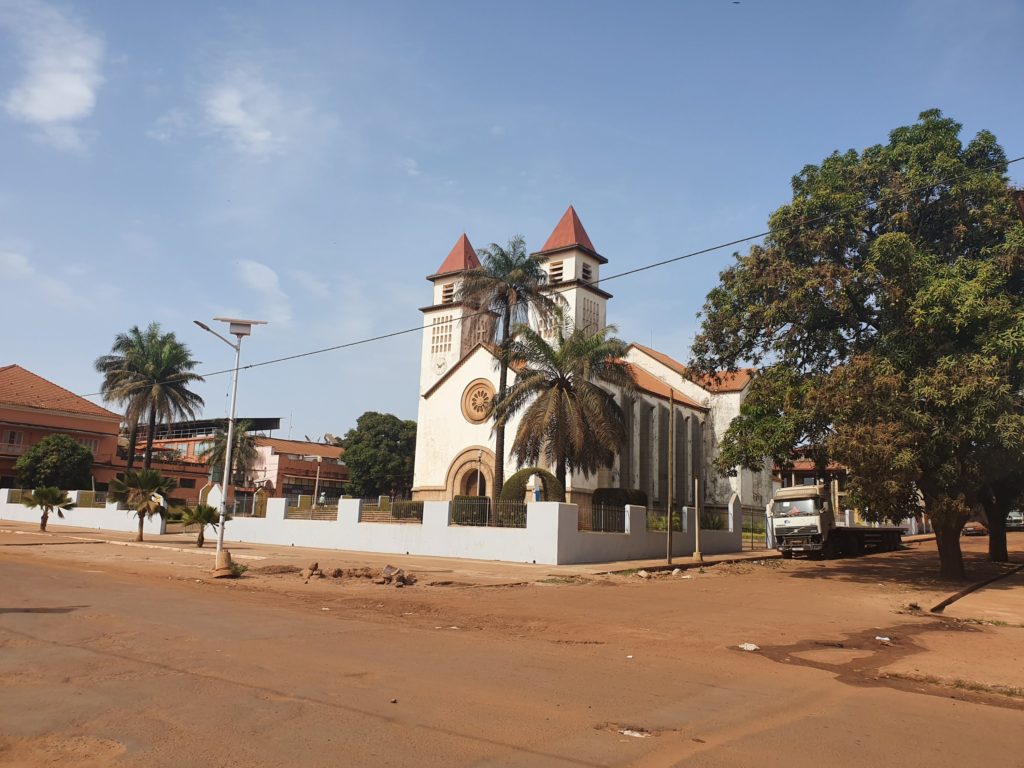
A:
(471, 473)
(474, 483)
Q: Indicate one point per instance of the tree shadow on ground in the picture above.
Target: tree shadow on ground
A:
(62, 609)
(916, 566)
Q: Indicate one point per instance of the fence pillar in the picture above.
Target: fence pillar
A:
(734, 507)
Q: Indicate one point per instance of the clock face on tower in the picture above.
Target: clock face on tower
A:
(439, 366)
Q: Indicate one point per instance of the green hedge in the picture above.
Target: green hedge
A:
(514, 488)
(619, 497)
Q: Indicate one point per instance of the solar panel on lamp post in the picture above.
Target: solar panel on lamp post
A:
(239, 329)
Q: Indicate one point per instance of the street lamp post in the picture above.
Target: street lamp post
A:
(239, 329)
(316, 483)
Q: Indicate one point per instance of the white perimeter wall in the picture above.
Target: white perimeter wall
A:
(550, 536)
(112, 517)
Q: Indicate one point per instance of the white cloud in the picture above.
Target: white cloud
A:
(310, 283)
(249, 112)
(409, 165)
(18, 269)
(169, 126)
(60, 62)
(264, 281)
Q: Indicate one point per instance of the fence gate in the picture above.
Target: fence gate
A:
(755, 529)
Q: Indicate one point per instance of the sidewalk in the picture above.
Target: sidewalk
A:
(179, 549)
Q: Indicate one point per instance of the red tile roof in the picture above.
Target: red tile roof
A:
(653, 385)
(721, 381)
(23, 388)
(461, 258)
(568, 232)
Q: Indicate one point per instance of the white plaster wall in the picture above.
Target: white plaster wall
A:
(754, 488)
(550, 537)
(537, 543)
(442, 431)
(110, 517)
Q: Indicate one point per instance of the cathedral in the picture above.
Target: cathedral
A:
(459, 376)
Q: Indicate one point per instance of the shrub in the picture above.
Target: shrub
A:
(514, 488)
(658, 523)
(711, 521)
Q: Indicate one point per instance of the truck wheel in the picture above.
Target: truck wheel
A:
(787, 555)
(828, 552)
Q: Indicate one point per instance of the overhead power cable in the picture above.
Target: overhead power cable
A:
(653, 265)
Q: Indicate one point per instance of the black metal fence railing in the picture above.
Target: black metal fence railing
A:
(600, 518)
(714, 518)
(482, 511)
(385, 509)
(755, 529)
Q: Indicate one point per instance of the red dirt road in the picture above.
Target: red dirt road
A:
(131, 662)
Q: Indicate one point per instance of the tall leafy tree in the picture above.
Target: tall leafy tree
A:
(145, 492)
(149, 373)
(48, 500)
(243, 452)
(55, 461)
(568, 416)
(508, 283)
(379, 454)
(885, 310)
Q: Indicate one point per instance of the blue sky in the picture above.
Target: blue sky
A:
(310, 163)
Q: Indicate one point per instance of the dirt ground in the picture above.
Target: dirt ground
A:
(124, 655)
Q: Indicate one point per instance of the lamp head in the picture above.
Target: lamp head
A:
(238, 327)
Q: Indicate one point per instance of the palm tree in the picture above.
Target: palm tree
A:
(200, 516)
(148, 372)
(572, 420)
(243, 452)
(145, 492)
(119, 368)
(508, 282)
(49, 500)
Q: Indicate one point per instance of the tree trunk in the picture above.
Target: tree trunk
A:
(996, 510)
(42, 521)
(951, 560)
(149, 445)
(560, 472)
(997, 551)
(133, 440)
(499, 430)
(142, 519)
(201, 538)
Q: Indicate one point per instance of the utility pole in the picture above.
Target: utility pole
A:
(696, 514)
(671, 474)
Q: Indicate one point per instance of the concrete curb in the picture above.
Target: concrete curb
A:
(141, 544)
(685, 565)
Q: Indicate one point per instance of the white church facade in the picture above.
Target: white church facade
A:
(459, 375)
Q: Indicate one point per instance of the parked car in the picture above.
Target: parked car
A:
(974, 528)
(1015, 520)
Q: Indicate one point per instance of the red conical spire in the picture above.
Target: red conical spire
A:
(461, 258)
(568, 233)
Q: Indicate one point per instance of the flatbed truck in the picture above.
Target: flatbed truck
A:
(803, 520)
